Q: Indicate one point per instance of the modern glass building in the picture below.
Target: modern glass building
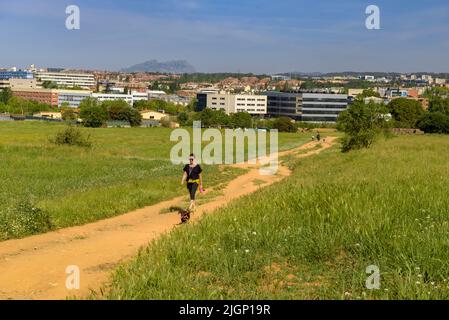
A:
(6, 75)
(284, 104)
(307, 107)
(317, 107)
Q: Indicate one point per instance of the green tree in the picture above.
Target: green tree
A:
(241, 120)
(207, 117)
(93, 114)
(405, 112)
(5, 95)
(284, 124)
(361, 123)
(439, 104)
(192, 105)
(434, 122)
(367, 93)
(120, 110)
(183, 118)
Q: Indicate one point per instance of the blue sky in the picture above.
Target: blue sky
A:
(260, 36)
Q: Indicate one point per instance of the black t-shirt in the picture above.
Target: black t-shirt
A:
(193, 173)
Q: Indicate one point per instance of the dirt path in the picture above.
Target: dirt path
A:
(34, 267)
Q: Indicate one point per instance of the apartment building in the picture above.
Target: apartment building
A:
(229, 103)
(23, 83)
(82, 80)
(307, 107)
(46, 96)
(15, 83)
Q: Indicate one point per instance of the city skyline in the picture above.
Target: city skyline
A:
(261, 37)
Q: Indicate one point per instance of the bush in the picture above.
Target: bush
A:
(69, 114)
(24, 219)
(71, 136)
(183, 118)
(284, 124)
(434, 122)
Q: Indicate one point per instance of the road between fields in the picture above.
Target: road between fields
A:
(35, 267)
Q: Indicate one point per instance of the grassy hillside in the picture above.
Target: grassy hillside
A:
(126, 169)
(313, 235)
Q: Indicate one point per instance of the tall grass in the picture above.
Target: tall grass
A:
(313, 235)
(124, 169)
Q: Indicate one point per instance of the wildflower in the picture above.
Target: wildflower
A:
(247, 251)
(347, 294)
(417, 282)
(254, 233)
(419, 275)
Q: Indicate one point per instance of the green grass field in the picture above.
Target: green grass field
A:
(313, 235)
(124, 170)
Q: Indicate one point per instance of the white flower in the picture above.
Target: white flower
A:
(247, 251)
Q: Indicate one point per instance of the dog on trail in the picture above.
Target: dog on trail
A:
(185, 214)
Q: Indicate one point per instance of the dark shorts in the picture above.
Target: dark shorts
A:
(193, 188)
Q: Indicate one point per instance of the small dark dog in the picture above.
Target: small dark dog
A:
(185, 214)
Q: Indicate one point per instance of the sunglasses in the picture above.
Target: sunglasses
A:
(191, 159)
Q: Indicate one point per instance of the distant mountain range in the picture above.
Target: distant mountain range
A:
(175, 66)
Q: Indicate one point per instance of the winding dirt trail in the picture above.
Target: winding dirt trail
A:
(35, 267)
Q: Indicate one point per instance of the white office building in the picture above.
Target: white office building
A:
(229, 103)
(111, 96)
(83, 80)
(72, 98)
(139, 96)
